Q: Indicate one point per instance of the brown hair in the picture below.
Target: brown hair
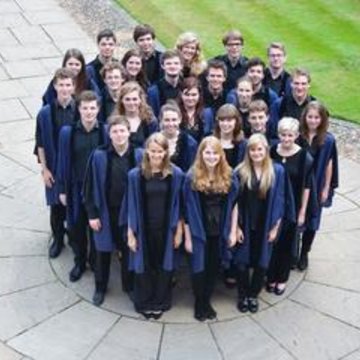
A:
(276, 45)
(117, 120)
(141, 30)
(110, 66)
(216, 64)
(141, 76)
(63, 73)
(255, 61)
(258, 106)
(232, 35)
(169, 54)
(170, 105)
(106, 33)
(231, 112)
(87, 96)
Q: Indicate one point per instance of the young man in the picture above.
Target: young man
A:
(76, 143)
(234, 61)
(106, 41)
(104, 190)
(293, 104)
(276, 77)
(51, 118)
(168, 87)
(113, 75)
(256, 73)
(144, 36)
(213, 89)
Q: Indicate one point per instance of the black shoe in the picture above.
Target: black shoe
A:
(199, 312)
(146, 315)
(230, 282)
(76, 273)
(242, 305)
(303, 262)
(253, 304)
(156, 315)
(55, 248)
(270, 287)
(98, 298)
(210, 312)
(279, 291)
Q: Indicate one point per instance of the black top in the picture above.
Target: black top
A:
(212, 206)
(196, 131)
(156, 198)
(289, 107)
(83, 144)
(263, 94)
(245, 122)
(256, 206)
(98, 65)
(138, 138)
(231, 155)
(107, 105)
(153, 68)
(278, 84)
(210, 101)
(167, 91)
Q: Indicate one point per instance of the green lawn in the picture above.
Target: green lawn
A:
(321, 35)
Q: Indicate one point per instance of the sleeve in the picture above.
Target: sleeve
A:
(88, 189)
(208, 121)
(154, 99)
(231, 97)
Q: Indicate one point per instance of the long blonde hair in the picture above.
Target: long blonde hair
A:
(246, 169)
(158, 139)
(201, 180)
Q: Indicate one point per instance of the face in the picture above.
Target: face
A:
(257, 153)
(258, 120)
(211, 157)
(313, 119)
(74, 65)
(156, 154)
(244, 92)
(64, 88)
(277, 58)
(133, 65)
(131, 101)
(146, 43)
(88, 112)
(172, 66)
(107, 47)
(216, 78)
(119, 135)
(287, 138)
(190, 97)
(233, 49)
(170, 123)
(300, 86)
(256, 74)
(188, 51)
(227, 125)
(113, 79)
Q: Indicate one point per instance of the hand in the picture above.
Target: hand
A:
(48, 178)
(324, 196)
(62, 198)
(132, 243)
(239, 235)
(301, 218)
(272, 234)
(232, 239)
(188, 245)
(95, 224)
(177, 240)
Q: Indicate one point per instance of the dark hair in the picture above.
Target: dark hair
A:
(106, 33)
(169, 54)
(63, 73)
(87, 96)
(117, 120)
(232, 35)
(258, 106)
(110, 66)
(255, 61)
(216, 64)
(81, 80)
(141, 30)
(229, 111)
(141, 77)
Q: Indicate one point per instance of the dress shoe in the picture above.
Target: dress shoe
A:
(156, 315)
(199, 312)
(270, 287)
(98, 298)
(279, 290)
(210, 312)
(55, 248)
(76, 273)
(146, 314)
(230, 282)
(303, 262)
(253, 304)
(242, 305)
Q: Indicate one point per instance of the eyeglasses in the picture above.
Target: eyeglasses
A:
(237, 44)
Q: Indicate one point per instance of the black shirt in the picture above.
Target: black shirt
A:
(256, 205)
(97, 65)
(153, 68)
(138, 138)
(278, 84)
(211, 101)
(263, 94)
(212, 207)
(167, 91)
(289, 107)
(107, 105)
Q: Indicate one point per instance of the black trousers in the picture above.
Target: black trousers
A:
(79, 235)
(203, 282)
(57, 219)
(307, 240)
(281, 259)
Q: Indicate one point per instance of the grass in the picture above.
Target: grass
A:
(320, 35)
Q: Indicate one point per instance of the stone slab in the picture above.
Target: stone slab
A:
(353, 356)
(52, 64)
(8, 6)
(12, 89)
(190, 341)
(59, 32)
(129, 339)
(305, 332)
(88, 46)
(8, 354)
(348, 220)
(15, 242)
(11, 19)
(43, 17)
(16, 132)
(354, 196)
(244, 339)
(11, 172)
(25, 309)
(37, 85)
(3, 74)
(30, 34)
(25, 68)
(349, 179)
(12, 109)
(338, 303)
(24, 52)
(341, 204)
(18, 273)
(32, 104)
(70, 335)
(7, 38)
(38, 5)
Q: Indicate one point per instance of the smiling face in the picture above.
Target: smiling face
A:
(287, 138)
(64, 89)
(277, 58)
(244, 92)
(210, 157)
(258, 120)
(74, 65)
(172, 66)
(188, 51)
(113, 79)
(88, 112)
(170, 123)
(256, 74)
(233, 49)
(190, 97)
(156, 155)
(133, 65)
(227, 125)
(131, 102)
(146, 44)
(215, 78)
(119, 135)
(300, 86)
(313, 120)
(107, 47)
(257, 153)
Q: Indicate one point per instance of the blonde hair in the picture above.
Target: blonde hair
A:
(158, 139)
(201, 180)
(288, 124)
(246, 169)
(197, 64)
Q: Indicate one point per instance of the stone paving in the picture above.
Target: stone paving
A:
(43, 316)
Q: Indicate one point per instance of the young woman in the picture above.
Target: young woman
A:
(210, 192)
(153, 235)
(75, 61)
(261, 205)
(104, 190)
(241, 97)
(132, 104)
(188, 45)
(197, 121)
(182, 146)
(322, 146)
(297, 163)
(134, 66)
